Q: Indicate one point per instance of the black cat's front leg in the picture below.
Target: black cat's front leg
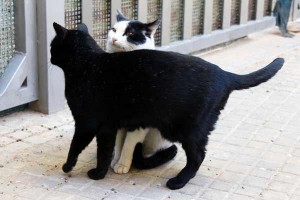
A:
(106, 141)
(82, 137)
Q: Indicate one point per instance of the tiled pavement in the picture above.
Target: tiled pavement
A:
(254, 153)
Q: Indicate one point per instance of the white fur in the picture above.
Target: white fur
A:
(121, 43)
(126, 141)
(131, 139)
(154, 142)
(121, 134)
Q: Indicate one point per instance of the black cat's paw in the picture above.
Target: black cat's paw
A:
(96, 174)
(176, 183)
(67, 167)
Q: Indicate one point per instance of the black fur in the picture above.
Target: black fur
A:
(157, 159)
(135, 32)
(180, 95)
(139, 161)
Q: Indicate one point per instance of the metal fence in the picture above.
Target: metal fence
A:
(103, 15)
(186, 26)
(101, 20)
(217, 14)
(7, 33)
(130, 8)
(267, 7)
(235, 12)
(252, 9)
(197, 17)
(72, 13)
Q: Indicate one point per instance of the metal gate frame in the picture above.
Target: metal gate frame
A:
(30, 76)
(18, 84)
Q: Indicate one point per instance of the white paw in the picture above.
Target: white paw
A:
(121, 169)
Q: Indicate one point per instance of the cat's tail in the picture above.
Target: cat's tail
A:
(241, 82)
(157, 159)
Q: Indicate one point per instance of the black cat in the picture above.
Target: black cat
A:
(180, 95)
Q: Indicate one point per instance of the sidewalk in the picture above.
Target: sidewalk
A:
(254, 152)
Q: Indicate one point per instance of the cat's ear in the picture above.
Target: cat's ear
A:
(152, 26)
(120, 16)
(61, 32)
(83, 27)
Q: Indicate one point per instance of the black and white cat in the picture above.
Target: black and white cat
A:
(180, 95)
(128, 35)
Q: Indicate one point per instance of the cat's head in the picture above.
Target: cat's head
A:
(68, 45)
(128, 35)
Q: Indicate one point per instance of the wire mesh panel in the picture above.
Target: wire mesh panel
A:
(7, 33)
(267, 7)
(198, 17)
(252, 9)
(235, 11)
(217, 14)
(101, 21)
(130, 8)
(154, 13)
(176, 32)
(72, 13)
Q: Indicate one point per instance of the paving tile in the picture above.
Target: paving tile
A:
(249, 191)
(155, 193)
(179, 196)
(222, 185)
(273, 195)
(281, 187)
(255, 181)
(239, 197)
(263, 173)
(213, 194)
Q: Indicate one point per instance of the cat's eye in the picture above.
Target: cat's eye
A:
(129, 34)
(113, 29)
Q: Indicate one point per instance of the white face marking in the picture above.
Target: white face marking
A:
(117, 41)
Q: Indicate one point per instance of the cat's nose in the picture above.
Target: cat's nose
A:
(114, 40)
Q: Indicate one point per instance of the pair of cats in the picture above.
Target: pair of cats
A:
(179, 95)
(128, 35)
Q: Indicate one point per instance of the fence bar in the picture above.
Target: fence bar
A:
(142, 10)
(51, 78)
(187, 20)
(218, 37)
(208, 16)
(87, 14)
(226, 14)
(260, 9)
(166, 22)
(244, 11)
(115, 4)
(20, 24)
